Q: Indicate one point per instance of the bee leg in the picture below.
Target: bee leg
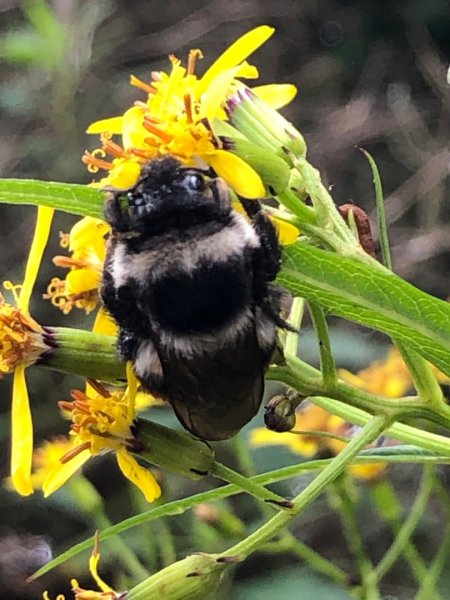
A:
(114, 213)
(268, 258)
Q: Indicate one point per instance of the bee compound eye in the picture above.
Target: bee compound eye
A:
(195, 182)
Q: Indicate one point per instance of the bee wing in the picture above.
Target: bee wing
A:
(214, 396)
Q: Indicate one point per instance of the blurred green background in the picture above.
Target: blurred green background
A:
(369, 74)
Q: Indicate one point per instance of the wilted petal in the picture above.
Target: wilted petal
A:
(276, 95)
(61, 472)
(244, 180)
(21, 435)
(138, 475)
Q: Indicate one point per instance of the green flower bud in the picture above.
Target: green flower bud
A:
(263, 125)
(192, 578)
(172, 450)
(84, 353)
(273, 170)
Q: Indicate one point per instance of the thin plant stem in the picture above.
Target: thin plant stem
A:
(428, 588)
(327, 365)
(341, 498)
(407, 529)
(392, 516)
(368, 434)
(295, 319)
(165, 542)
(257, 491)
(288, 542)
(406, 433)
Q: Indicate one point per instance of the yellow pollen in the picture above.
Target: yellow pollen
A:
(21, 338)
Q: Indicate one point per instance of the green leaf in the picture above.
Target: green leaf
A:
(69, 197)
(372, 296)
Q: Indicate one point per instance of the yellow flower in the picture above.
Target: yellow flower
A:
(389, 377)
(177, 118)
(22, 342)
(47, 456)
(87, 244)
(102, 422)
(306, 438)
(105, 593)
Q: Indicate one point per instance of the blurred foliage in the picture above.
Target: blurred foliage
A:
(369, 74)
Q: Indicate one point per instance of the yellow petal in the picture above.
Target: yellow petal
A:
(276, 95)
(216, 92)
(141, 477)
(236, 53)
(61, 472)
(111, 125)
(287, 233)
(237, 173)
(21, 435)
(105, 324)
(123, 176)
(93, 568)
(86, 232)
(134, 132)
(296, 443)
(370, 471)
(41, 233)
(82, 280)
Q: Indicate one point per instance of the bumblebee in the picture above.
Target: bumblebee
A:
(190, 283)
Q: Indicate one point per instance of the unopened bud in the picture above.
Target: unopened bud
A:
(263, 125)
(192, 578)
(280, 412)
(273, 170)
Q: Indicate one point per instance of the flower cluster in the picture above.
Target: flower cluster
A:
(178, 116)
(101, 422)
(87, 245)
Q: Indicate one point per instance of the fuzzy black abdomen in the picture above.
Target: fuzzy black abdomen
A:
(202, 300)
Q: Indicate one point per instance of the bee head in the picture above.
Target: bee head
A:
(167, 190)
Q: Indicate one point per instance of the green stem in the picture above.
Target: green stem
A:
(425, 381)
(346, 507)
(399, 431)
(120, 549)
(390, 509)
(408, 527)
(165, 542)
(327, 365)
(247, 485)
(295, 319)
(368, 435)
(178, 507)
(288, 543)
(307, 380)
(328, 217)
(428, 588)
